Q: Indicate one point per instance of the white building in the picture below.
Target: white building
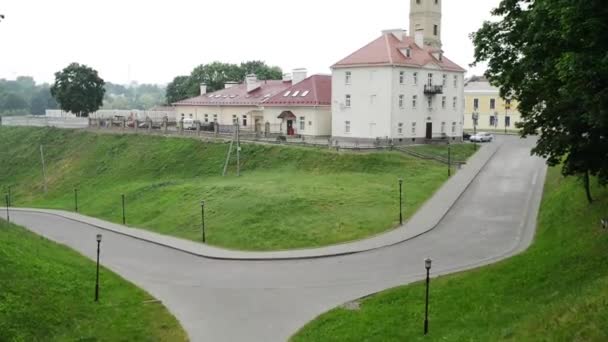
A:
(400, 87)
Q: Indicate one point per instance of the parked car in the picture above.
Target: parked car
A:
(482, 137)
(466, 136)
(189, 124)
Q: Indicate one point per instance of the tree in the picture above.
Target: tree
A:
(177, 90)
(78, 89)
(263, 71)
(41, 101)
(215, 75)
(550, 55)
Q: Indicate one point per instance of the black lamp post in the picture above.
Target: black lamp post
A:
(8, 216)
(124, 219)
(427, 265)
(10, 197)
(449, 159)
(75, 200)
(203, 220)
(401, 201)
(97, 275)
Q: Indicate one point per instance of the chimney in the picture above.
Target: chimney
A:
(229, 85)
(419, 38)
(299, 75)
(252, 82)
(400, 34)
(203, 88)
(287, 77)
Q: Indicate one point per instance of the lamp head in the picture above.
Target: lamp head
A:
(400, 180)
(202, 203)
(427, 263)
(98, 237)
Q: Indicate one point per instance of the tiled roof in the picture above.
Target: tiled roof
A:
(313, 91)
(238, 95)
(388, 50)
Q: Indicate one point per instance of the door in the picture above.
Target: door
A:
(429, 130)
(290, 127)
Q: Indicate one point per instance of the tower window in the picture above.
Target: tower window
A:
(436, 30)
(418, 2)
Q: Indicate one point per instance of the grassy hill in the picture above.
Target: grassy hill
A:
(287, 197)
(46, 294)
(555, 291)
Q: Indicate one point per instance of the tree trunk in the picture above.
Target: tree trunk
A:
(587, 187)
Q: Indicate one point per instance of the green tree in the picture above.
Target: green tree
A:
(78, 89)
(263, 71)
(550, 55)
(177, 90)
(41, 101)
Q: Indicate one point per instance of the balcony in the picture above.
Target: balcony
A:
(430, 89)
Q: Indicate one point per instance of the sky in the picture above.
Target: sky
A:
(152, 41)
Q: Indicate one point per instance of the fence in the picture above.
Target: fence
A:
(44, 121)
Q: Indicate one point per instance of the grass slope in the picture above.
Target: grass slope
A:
(46, 294)
(286, 198)
(459, 152)
(555, 291)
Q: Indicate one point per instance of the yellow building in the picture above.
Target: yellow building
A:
(483, 102)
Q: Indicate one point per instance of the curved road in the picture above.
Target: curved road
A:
(269, 300)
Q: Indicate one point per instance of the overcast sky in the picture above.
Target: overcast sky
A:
(152, 41)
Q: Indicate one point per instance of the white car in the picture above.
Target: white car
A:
(482, 137)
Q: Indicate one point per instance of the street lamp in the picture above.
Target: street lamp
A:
(203, 220)
(427, 265)
(401, 201)
(97, 275)
(8, 216)
(449, 160)
(124, 219)
(75, 200)
(475, 119)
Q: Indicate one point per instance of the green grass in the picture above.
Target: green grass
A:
(46, 294)
(287, 197)
(459, 152)
(555, 291)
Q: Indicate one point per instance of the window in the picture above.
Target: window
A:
(430, 102)
(507, 121)
(244, 120)
(475, 104)
(436, 30)
(492, 120)
(414, 100)
(206, 118)
(443, 102)
(400, 128)
(442, 127)
(401, 77)
(348, 77)
(235, 119)
(415, 78)
(295, 93)
(372, 99)
(430, 81)
(455, 81)
(454, 102)
(287, 94)
(214, 117)
(453, 127)
(305, 93)
(508, 105)
(347, 101)
(347, 127)
(413, 128)
(302, 123)
(445, 80)
(401, 98)
(492, 104)
(408, 52)
(418, 2)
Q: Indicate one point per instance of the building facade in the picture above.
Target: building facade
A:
(486, 110)
(400, 87)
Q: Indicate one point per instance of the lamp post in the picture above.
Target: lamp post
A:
(449, 159)
(124, 219)
(8, 216)
(97, 274)
(427, 265)
(401, 201)
(75, 200)
(10, 197)
(203, 220)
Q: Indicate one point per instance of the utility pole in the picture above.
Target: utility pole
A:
(43, 168)
(238, 148)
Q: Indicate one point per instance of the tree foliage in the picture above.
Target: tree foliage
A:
(133, 96)
(78, 89)
(552, 57)
(23, 96)
(215, 75)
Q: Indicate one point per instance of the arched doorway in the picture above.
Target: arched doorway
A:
(288, 117)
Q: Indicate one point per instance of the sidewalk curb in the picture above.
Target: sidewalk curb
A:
(140, 234)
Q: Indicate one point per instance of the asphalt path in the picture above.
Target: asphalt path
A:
(219, 300)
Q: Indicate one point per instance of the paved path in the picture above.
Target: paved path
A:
(221, 300)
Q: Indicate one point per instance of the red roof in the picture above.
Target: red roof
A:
(238, 95)
(313, 91)
(387, 50)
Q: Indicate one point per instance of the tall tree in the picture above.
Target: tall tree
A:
(551, 56)
(177, 90)
(78, 89)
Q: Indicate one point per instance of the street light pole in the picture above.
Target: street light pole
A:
(75, 200)
(203, 220)
(8, 216)
(97, 274)
(427, 265)
(449, 159)
(401, 201)
(10, 197)
(124, 219)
